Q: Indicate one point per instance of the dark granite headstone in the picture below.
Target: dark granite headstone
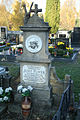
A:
(4, 78)
(75, 37)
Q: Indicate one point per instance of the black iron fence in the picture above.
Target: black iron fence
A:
(64, 104)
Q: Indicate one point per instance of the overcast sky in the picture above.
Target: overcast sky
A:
(42, 4)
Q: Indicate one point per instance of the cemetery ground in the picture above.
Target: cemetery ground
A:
(62, 67)
(73, 69)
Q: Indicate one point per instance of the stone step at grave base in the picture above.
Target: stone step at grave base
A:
(44, 114)
(13, 112)
(41, 105)
(14, 108)
(3, 108)
(34, 115)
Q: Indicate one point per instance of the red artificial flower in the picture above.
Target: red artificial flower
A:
(55, 46)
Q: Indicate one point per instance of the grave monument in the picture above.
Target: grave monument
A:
(34, 62)
(75, 36)
(5, 78)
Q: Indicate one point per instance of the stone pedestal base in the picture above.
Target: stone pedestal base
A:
(41, 99)
(3, 108)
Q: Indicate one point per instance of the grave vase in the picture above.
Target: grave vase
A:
(26, 106)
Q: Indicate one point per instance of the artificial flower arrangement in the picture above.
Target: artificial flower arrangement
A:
(25, 91)
(60, 43)
(5, 94)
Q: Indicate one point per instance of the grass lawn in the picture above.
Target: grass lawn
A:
(71, 68)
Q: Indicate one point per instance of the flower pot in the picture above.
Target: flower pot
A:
(26, 106)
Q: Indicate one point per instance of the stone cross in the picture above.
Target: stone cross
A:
(36, 10)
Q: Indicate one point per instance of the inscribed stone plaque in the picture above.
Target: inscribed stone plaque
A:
(32, 73)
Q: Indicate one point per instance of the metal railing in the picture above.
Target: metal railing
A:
(64, 104)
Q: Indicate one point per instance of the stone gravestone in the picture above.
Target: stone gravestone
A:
(34, 62)
(2, 73)
(4, 77)
(75, 37)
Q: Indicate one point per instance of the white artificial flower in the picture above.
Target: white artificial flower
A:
(30, 88)
(1, 91)
(1, 99)
(6, 90)
(5, 98)
(10, 88)
(24, 90)
(19, 87)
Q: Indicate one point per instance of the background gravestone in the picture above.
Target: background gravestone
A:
(75, 37)
(4, 77)
(34, 62)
